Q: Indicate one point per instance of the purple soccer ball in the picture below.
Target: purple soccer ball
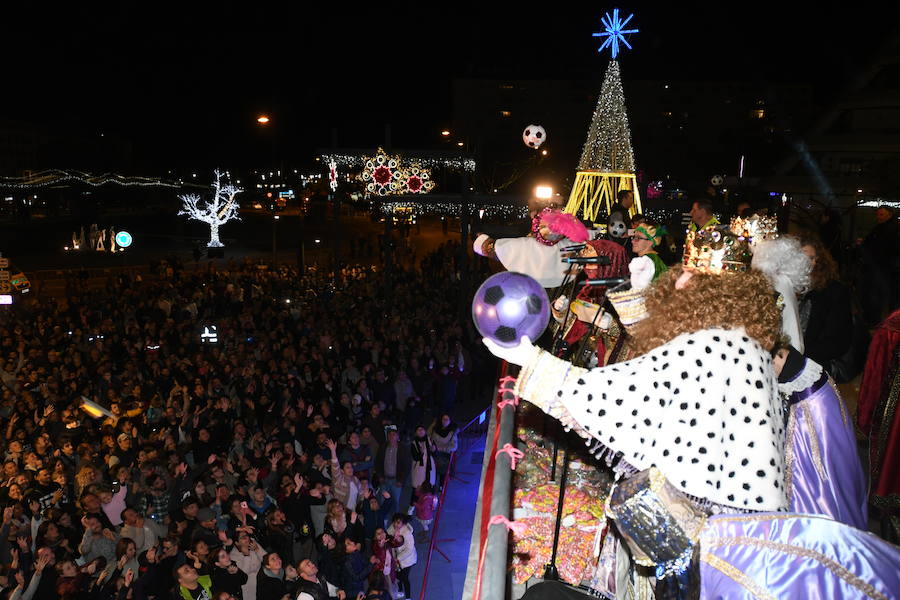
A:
(509, 305)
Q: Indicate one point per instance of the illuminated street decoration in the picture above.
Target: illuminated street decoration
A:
(507, 211)
(382, 173)
(218, 211)
(416, 180)
(454, 163)
(124, 239)
(614, 32)
(59, 176)
(332, 175)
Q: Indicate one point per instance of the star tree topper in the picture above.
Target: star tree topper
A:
(614, 32)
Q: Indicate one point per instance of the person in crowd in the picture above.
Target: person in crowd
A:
(881, 251)
(313, 586)
(401, 533)
(211, 446)
(394, 463)
(247, 555)
(345, 484)
(426, 506)
(825, 305)
(356, 568)
(226, 575)
(702, 215)
(443, 433)
(423, 466)
(192, 585)
(644, 242)
(275, 581)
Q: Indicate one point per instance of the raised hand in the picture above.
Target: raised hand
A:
(42, 562)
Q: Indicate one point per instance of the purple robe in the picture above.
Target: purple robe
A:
(823, 472)
(778, 555)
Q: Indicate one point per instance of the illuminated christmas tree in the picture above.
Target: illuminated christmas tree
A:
(218, 211)
(608, 146)
(607, 161)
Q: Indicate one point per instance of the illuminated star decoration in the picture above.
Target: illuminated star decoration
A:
(614, 32)
(416, 180)
(382, 174)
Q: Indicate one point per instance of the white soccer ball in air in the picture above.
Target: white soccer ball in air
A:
(534, 136)
(717, 180)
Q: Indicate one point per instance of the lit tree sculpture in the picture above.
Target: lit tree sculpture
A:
(218, 211)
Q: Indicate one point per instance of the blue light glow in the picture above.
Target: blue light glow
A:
(614, 32)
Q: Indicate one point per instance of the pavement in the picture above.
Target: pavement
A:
(449, 562)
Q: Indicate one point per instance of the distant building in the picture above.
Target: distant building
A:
(686, 131)
(851, 154)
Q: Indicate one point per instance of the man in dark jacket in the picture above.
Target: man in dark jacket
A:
(881, 253)
(312, 586)
(393, 464)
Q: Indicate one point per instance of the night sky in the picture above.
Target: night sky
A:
(185, 84)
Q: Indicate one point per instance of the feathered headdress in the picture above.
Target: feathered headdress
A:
(562, 224)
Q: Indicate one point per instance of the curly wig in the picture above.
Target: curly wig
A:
(783, 257)
(725, 301)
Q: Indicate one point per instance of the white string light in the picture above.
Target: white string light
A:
(359, 160)
(507, 211)
(57, 176)
(608, 146)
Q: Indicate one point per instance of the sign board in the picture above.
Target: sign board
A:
(5, 299)
(4, 263)
(5, 287)
(4, 275)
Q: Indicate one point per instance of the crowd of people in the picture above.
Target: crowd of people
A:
(231, 434)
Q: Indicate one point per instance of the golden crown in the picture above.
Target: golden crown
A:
(715, 249)
(755, 228)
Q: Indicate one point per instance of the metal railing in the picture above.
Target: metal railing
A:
(487, 576)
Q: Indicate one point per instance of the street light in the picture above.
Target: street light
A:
(445, 132)
(262, 119)
(544, 192)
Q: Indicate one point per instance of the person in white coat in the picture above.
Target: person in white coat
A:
(405, 552)
(247, 555)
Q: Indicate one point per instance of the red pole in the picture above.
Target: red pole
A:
(437, 520)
